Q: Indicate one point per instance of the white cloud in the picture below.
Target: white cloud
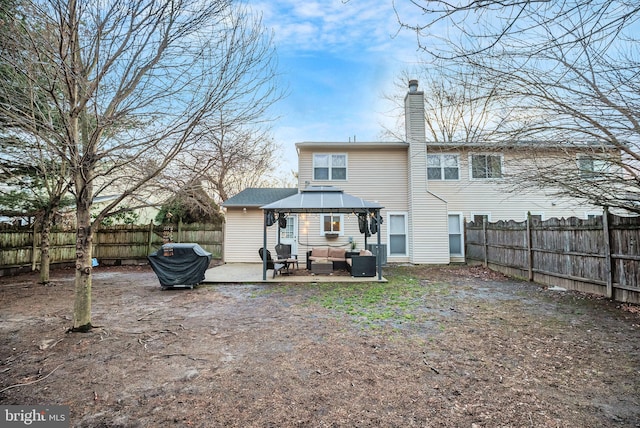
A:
(335, 25)
(340, 58)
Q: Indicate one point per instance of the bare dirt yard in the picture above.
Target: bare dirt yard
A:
(452, 346)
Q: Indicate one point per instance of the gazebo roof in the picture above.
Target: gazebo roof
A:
(322, 199)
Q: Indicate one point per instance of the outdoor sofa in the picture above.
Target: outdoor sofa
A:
(358, 263)
(336, 255)
(362, 264)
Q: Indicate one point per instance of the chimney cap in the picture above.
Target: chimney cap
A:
(413, 85)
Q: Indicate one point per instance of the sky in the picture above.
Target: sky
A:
(337, 60)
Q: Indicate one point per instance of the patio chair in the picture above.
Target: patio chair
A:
(283, 252)
(271, 264)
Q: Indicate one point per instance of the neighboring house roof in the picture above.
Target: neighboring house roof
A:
(256, 197)
(322, 199)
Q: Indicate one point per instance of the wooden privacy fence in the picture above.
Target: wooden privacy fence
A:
(599, 255)
(20, 248)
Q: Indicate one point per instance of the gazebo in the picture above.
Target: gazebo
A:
(321, 199)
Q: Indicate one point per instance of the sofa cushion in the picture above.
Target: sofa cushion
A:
(337, 253)
(366, 253)
(320, 252)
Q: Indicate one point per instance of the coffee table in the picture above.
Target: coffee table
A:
(322, 267)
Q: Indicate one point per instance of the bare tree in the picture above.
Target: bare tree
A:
(457, 109)
(237, 156)
(133, 84)
(568, 72)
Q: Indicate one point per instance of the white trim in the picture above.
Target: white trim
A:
(406, 233)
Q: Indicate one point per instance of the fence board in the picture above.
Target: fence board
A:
(600, 254)
(120, 242)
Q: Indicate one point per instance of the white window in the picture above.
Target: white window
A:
(331, 223)
(591, 167)
(535, 215)
(486, 166)
(479, 217)
(397, 234)
(443, 167)
(455, 235)
(328, 166)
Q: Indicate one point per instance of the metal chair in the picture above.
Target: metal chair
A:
(276, 265)
(284, 256)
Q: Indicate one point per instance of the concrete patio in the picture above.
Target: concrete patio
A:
(252, 273)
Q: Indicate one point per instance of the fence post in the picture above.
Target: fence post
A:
(150, 237)
(484, 241)
(34, 248)
(529, 250)
(607, 250)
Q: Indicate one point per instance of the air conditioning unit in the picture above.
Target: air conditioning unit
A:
(379, 251)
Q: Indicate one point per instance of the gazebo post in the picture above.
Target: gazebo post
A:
(378, 257)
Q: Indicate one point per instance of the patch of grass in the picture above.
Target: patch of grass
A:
(374, 304)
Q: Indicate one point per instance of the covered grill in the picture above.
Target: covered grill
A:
(180, 264)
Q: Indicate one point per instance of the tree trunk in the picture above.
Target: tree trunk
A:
(44, 250)
(84, 240)
(83, 178)
(45, 241)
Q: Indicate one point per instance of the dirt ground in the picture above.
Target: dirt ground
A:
(435, 347)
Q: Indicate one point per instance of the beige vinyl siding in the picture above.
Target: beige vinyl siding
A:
(428, 222)
(491, 196)
(244, 235)
(374, 174)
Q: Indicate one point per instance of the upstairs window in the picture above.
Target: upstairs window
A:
(329, 166)
(442, 167)
(481, 218)
(486, 166)
(590, 167)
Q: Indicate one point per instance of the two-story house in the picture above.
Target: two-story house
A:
(428, 190)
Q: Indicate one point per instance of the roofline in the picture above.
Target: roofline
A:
(353, 145)
(451, 145)
(227, 204)
(523, 144)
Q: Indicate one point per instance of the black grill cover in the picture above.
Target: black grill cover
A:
(180, 264)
